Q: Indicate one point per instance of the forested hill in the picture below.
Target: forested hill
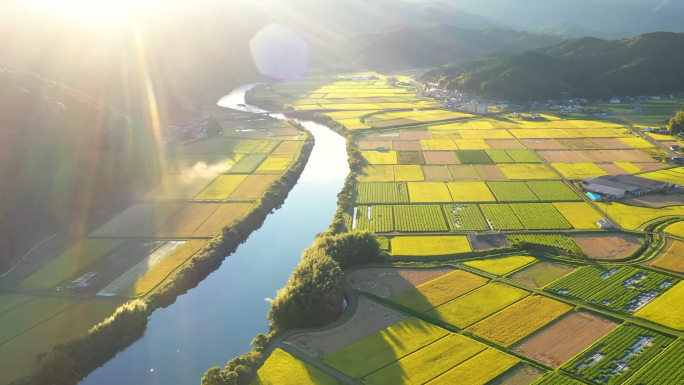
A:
(439, 44)
(64, 160)
(587, 67)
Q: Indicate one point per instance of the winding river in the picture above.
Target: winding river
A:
(217, 320)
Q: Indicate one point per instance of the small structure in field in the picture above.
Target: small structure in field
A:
(604, 224)
(620, 186)
(594, 197)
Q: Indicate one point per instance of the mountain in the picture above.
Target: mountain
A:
(439, 44)
(586, 67)
(573, 30)
(65, 160)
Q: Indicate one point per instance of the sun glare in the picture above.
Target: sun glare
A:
(94, 10)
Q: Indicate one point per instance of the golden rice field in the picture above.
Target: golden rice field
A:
(429, 245)
(673, 258)
(470, 192)
(408, 173)
(222, 187)
(527, 171)
(429, 192)
(581, 215)
(501, 266)
(478, 370)
(632, 217)
(281, 368)
(519, 320)
(275, 163)
(438, 291)
(666, 309)
(579, 170)
(380, 157)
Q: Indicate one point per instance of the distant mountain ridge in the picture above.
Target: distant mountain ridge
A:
(646, 64)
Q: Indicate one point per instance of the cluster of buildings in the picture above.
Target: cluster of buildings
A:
(622, 186)
(194, 129)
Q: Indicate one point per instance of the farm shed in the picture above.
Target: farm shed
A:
(594, 197)
(618, 186)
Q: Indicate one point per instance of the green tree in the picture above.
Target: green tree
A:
(351, 249)
(676, 124)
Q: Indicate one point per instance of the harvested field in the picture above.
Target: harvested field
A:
(671, 258)
(487, 241)
(373, 144)
(514, 322)
(542, 273)
(504, 144)
(439, 157)
(436, 173)
(438, 144)
(409, 157)
(253, 187)
(406, 145)
(607, 156)
(180, 186)
(650, 166)
(464, 172)
(225, 215)
(612, 169)
(139, 220)
(579, 143)
(391, 122)
(489, 172)
(565, 338)
(394, 135)
(561, 156)
(542, 144)
(656, 200)
(386, 282)
(369, 318)
(222, 187)
(611, 143)
(478, 304)
(608, 246)
(440, 290)
(189, 219)
(415, 135)
(520, 375)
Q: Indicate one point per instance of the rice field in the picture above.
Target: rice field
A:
(428, 192)
(512, 192)
(225, 215)
(419, 218)
(187, 220)
(527, 171)
(666, 309)
(248, 164)
(275, 163)
(470, 192)
(672, 259)
(473, 371)
(465, 217)
(382, 193)
(221, 188)
(139, 220)
(380, 157)
(253, 187)
(440, 290)
(430, 245)
(581, 215)
(541, 273)
(501, 266)
(553, 191)
(284, 369)
(632, 217)
(408, 173)
(473, 157)
(579, 170)
(377, 219)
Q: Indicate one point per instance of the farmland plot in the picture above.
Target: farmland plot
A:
(666, 369)
(382, 193)
(590, 280)
(667, 309)
(635, 291)
(410, 157)
(465, 217)
(527, 171)
(407, 173)
(501, 217)
(376, 219)
(470, 192)
(428, 192)
(616, 357)
(551, 240)
(512, 192)
(471, 372)
(501, 266)
(248, 164)
(523, 156)
(438, 291)
(283, 369)
(473, 157)
(499, 156)
(542, 273)
(253, 187)
(224, 216)
(553, 191)
(539, 216)
(419, 218)
(580, 214)
(556, 378)
(433, 245)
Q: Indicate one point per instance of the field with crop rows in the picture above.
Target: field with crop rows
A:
(501, 217)
(382, 193)
(524, 156)
(376, 219)
(590, 280)
(382, 348)
(419, 218)
(499, 156)
(539, 216)
(553, 191)
(473, 157)
(248, 164)
(465, 217)
(501, 266)
(541, 273)
(666, 369)
(634, 291)
(512, 192)
(556, 378)
(478, 304)
(551, 240)
(616, 357)
(438, 291)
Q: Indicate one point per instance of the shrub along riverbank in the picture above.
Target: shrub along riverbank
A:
(72, 361)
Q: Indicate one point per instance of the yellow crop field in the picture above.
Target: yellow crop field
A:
(451, 126)
(428, 362)
(139, 220)
(9, 301)
(485, 134)
(408, 173)
(180, 186)
(187, 220)
(676, 229)
(380, 157)
(225, 215)
(275, 163)
(636, 142)
(501, 266)
(428, 192)
(673, 258)
(253, 187)
(630, 168)
(438, 144)
(667, 309)
(438, 291)
(163, 269)
(527, 171)
(289, 147)
(478, 304)
(69, 263)
(377, 173)
(354, 124)
(557, 133)
(579, 170)
(384, 347)
(672, 175)
(478, 370)
(471, 144)
(519, 320)
(222, 187)
(18, 355)
(480, 125)
(281, 368)
(30, 314)
(470, 192)
(631, 217)
(430, 245)
(581, 215)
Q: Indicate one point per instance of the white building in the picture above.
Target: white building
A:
(476, 108)
(615, 100)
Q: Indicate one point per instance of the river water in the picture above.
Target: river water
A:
(217, 320)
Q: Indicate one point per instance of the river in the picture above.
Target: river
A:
(217, 320)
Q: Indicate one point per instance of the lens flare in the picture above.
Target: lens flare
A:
(280, 54)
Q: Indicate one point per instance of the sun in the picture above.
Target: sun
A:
(93, 10)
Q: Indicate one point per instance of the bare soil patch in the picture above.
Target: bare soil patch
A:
(520, 375)
(615, 156)
(445, 134)
(392, 122)
(542, 144)
(440, 157)
(565, 338)
(373, 144)
(578, 143)
(490, 172)
(386, 282)
(611, 143)
(611, 169)
(410, 157)
(504, 144)
(407, 145)
(488, 241)
(651, 166)
(656, 200)
(392, 135)
(561, 156)
(436, 173)
(370, 317)
(415, 135)
(463, 172)
(608, 246)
